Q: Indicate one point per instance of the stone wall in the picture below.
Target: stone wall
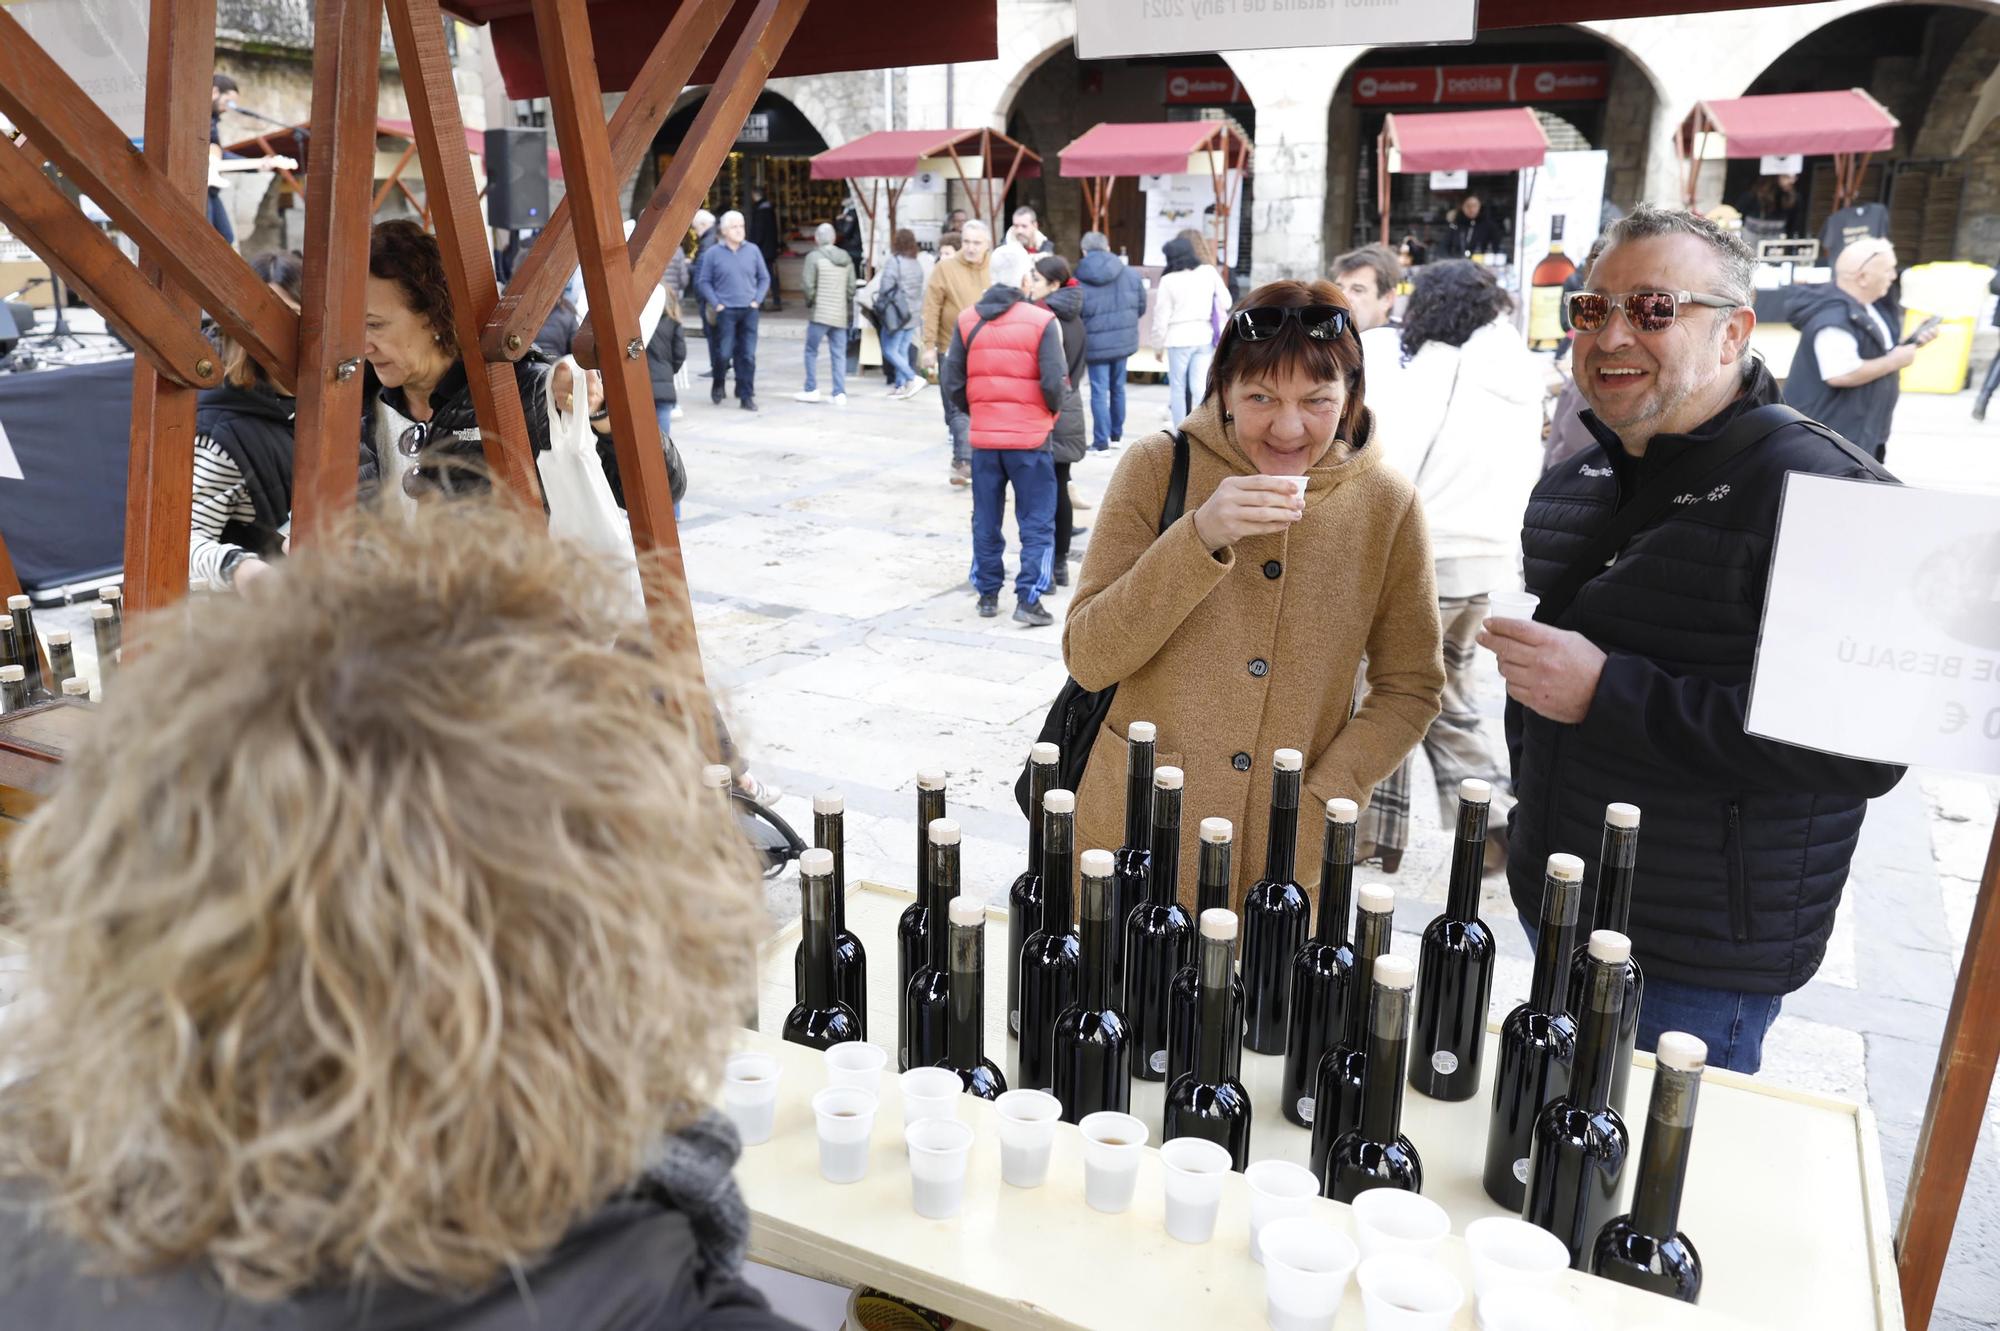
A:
(1950, 111)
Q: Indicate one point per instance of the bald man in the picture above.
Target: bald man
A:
(1851, 347)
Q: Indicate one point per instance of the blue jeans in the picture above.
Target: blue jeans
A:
(836, 351)
(1187, 380)
(736, 342)
(665, 411)
(896, 355)
(1107, 401)
(958, 426)
(1731, 1023)
(218, 217)
(1032, 472)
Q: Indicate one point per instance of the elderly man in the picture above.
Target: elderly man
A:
(953, 285)
(1368, 277)
(1633, 680)
(706, 238)
(732, 281)
(1844, 374)
(829, 287)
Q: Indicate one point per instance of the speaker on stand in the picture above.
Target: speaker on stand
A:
(517, 179)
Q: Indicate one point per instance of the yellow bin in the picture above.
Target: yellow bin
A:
(1957, 293)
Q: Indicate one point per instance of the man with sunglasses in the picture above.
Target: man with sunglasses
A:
(1632, 682)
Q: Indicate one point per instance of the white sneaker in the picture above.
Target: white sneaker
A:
(839, 399)
(812, 396)
(917, 385)
(675, 414)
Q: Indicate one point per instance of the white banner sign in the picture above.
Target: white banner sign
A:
(1881, 635)
(1108, 28)
(1781, 166)
(1448, 180)
(99, 43)
(1187, 203)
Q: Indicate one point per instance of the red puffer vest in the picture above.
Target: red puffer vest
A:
(1003, 377)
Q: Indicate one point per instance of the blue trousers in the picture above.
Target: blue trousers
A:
(836, 340)
(1107, 401)
(1032, 473)
(896, 355)
(736, 343)
(1187, 380)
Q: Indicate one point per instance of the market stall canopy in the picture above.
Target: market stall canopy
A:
(904, 152)
(1506, 140)
(1780, 124)
(832, 36)
(296, 142)
(1161, 148)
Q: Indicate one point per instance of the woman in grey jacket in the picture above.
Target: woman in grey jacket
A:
(1049, 283)
(904, 272)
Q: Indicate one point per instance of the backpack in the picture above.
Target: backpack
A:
(892, 307)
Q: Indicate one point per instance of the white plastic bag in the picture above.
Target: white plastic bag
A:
(581, 508)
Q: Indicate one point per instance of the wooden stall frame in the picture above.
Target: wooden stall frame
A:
(986, 200)
(1234, 154)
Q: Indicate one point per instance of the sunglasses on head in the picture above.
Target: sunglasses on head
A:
(1646, 311)
(1261, 323)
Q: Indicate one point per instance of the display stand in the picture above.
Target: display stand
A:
(1211, 148)
(984, 162)
(1509, 140)
(1850, 126)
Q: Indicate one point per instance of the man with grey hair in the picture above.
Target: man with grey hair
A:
(953, 285)
(1114, 300)
(706, 237)
(1650, 551)
(829, 286)
(1846, 373)
(731, 283)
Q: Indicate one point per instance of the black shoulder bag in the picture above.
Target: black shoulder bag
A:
(1078, 714)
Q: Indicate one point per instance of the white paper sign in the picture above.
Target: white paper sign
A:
(1881, 635)
(1448, 180)
(1781, 166)
(99, 43)
(1106, 28)
(1567, 185)
(1183, 203)
(926, 182)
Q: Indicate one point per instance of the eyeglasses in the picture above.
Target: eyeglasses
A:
(1261, 323)
(1646, 311)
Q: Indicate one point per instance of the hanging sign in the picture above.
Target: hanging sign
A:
(1487, 85)
(756, 128)
(1448, 180)
(101, 44)
(1789, 165)
(1110, 28)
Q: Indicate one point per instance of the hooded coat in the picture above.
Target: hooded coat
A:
(829, 286)
(1114, 298)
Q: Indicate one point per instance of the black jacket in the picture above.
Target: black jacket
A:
(1068, 441)
(1859, 415)
(1745, 844)
(254, 427)
(666, 352)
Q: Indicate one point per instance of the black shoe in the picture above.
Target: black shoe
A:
(1076, 531)
(989, 606)
(1032, 614)
(717, 396)
(749, 404)
(1062, 573)
(1979, 409)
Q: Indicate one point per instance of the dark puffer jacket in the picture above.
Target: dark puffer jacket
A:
(254, 427)
(1068, 441)
(1114, 296)
(1746, 842)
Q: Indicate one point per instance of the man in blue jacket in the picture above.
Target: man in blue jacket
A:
(731, 282)
(1114, 297)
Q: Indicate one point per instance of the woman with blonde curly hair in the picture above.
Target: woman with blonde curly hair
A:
(378, 937)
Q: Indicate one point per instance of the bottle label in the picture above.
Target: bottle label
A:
(1306, 1108)
(1445, 1062)
(1545, 314)
(1521, 1170)
(1158, 1061)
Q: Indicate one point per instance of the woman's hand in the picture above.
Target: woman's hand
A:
(560, 384)
(1247, 506)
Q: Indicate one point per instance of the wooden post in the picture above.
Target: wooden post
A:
(1957, 1107)
(347, 51)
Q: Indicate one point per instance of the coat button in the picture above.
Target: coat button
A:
(1241, 762)
(1272, 568)
(1260, 667)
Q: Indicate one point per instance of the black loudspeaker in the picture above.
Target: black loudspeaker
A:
(517, 179)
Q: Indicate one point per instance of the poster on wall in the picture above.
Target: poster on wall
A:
(1179, 202)
(1567, 185)
(102, 45)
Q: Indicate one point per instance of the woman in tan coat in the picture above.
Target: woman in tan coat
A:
(1242, 629)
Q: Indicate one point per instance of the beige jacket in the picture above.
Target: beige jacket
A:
(1236, 655)
(952, 286)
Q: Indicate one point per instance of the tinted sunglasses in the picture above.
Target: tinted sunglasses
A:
(1261, 323)
(1646, 311)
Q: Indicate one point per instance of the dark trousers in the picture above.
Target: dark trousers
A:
(717, 367)
(1987, 388)
(736, 343)
(1065, 516)
(1032, 473)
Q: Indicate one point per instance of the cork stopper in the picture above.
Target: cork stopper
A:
(1219, 924)
(1343, 810)
(1622, 815)
(1098, 864)
(1288, 760)
(1216, 831)
(1045, 753)
(816, 863)
(1059, 801)
(18, 603)
(1377, 899)
(75, 688)
(930, 778)
(830, 803)
(1393, 972)
(943, 832)
(1566, 867)
(99, 611)
(12, 674)
(1610, 947)
(1167, 778)
(1474, 791)
(967, 912)
(1142, 732)
(1681, 1052)
(715, 776)
(57, 637)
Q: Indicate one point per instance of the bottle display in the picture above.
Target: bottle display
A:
(1135, 858)
(818, 1018)
(850, 959)
(10, 641)
(106, 628)
(1217, 839)
(1338, 1085)
(1024, 898)
(1455, 973)
(913, 939)
(1323, 969)
(924, 1000)
(1274, 915)
(1208, 1100)
(1537, 1041)
(23, 611)
(1375, 1153)
(1580, 1144)
(1545, 291)
(965, 1004)
(62, 659)
(1617, 870)
(1159, 936)
(1090, 1045)
(1646, 1249)
(13, 688)
(1051, 956)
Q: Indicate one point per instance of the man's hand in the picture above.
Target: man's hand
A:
(1552, 672)
(930, 359)
(1247, 506)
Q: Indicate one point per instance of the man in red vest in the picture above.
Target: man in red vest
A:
(1006, 371)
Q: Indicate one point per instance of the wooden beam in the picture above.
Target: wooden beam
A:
(395, 173)
(462, 237)
(34, 209)
(543, 272)
(347, 54)
(71, 131)
(1957, 1105)
(159, 483)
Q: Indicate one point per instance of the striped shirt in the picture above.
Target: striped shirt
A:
(221, 496)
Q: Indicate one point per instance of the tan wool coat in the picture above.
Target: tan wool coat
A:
(1256, 648)
(953, 285)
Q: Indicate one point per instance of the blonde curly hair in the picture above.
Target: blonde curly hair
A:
(381, 926)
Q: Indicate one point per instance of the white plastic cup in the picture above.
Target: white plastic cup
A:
(1306, 1269)
(750, 1095)
(1112, 1145)
(939, 1148)
(856, 1063)
(1512, 1254)
(1298, 483)
(1528, 1309)
(1278, 1188)
(930, 1093)
(1511, 605)
(1027, 1131)
(1400, 1292)
(845, 1116)
(1195, 1168)
(1391, 1220)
